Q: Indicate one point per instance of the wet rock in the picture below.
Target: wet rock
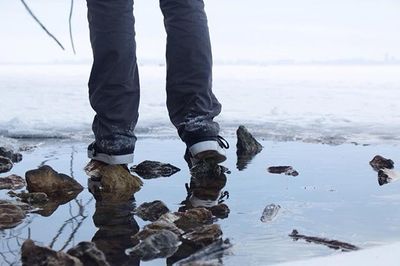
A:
(12, 182)
(31, 198)
(113, 183)
(220, 211)
(379, 162)
(270, 212)
(88, 254)
(162, 244)
(287, 170)
(24, 206)
(193, 218)
(203, 235)
(55, 185)
(14, 157)
(33, 255)
(334, 244)
(247, 147)
(5, 164)
(383, 178)
(152, 169)
(155, 227)
(11, 215)
(209, 255)
(170, 217)
(151, 211)
(246, 143)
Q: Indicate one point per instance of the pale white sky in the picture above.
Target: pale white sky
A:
(253, 30)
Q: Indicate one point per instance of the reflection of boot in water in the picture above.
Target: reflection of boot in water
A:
(114, 218)
(205, 191)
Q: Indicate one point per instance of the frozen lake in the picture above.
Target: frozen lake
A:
(336, 195)
(312, 103)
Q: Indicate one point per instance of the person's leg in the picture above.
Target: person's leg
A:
(190, 100)
(114, 81)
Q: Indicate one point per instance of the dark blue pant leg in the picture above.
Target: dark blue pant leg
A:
(114, 81)
(190, 100)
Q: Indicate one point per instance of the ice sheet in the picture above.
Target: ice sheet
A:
(322, 103)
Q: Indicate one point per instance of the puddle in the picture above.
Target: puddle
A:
(336, 195)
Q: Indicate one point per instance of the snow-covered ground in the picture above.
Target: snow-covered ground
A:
(326, 103)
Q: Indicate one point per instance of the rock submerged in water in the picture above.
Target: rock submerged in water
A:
(12, 182)
(247, 147)
(287, 170)
(33, 255)
(270, 212)
(210, 255)
(152, 169)
(31, 198)
(193, 218)
(11, 215)
(334, 244)
(161, 244)
(156, 226)
(5, 164)
(55, 185)
(151, 211)
(88, 254)
(84, 254)
(380, 162)
(203, 235)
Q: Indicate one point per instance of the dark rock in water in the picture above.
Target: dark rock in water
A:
(55, 185)
(112, 183)
(88, 254)
(379, 162)
(11, 215)
(220, 210)
(155, 227)
(383, 178)
(246, 143)
(5, 164)
(32, 255)
(14, 157)
(209, 255)
(202, 235)
(31, 198)
(334, 244)
(153, 169)
(287, 170)
(247, 147)
(162, 244)
(12, 182)
(151, 211)
(46, 206)
(270, 212)
(193, 218)
(24, 206)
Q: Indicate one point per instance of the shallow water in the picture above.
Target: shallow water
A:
(336, 195)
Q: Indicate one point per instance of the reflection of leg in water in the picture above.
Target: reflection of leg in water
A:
(116, 226)
(203, 242)
(114, 218)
